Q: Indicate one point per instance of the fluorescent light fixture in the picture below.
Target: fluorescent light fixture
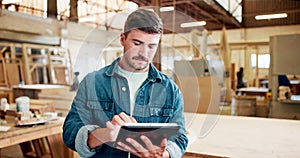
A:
(11, 1)
(193, 24)
(166, 9)
(270, 16)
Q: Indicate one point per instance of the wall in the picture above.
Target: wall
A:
(243, 42)
(84, 43)
(93, 45)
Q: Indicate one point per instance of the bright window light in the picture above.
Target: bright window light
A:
(166, 9)
(263, 60)
(270, 16)
(193, 24)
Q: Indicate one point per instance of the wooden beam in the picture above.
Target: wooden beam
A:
(52, 9)
(27, 37)
(157, 57)
(28, 79)
(227, 16)
(73, 10)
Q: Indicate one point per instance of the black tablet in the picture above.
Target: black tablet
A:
(156, 132)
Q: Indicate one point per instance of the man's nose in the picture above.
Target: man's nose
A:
(143, 50)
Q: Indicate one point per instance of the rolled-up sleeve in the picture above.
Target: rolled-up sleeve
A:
(173, 150)
(81, 139)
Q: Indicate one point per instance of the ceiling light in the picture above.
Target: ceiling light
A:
(166, 9)
(11, 1)
(270, 16)
(193, 24)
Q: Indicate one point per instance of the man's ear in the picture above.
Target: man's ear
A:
(122, 39)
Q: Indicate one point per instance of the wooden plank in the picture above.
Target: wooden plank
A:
(8, 92)
(234, 136)
(37, 134)
(285, 54)
(33, 90)
(32, 38)
(198, 155)
(12, 51)
(13, 74)
(60, 75)
(203, 96)
(3, 74)
(50, 67)
(57, 147)
(18, 135)
(27, 74)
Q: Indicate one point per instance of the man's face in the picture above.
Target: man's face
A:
(139, 50)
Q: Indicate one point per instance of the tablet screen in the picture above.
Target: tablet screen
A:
(156, 132)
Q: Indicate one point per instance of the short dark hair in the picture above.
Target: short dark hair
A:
(144, 20)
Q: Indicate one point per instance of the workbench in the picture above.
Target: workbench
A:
(253, 91)
(247, 137)
(33, 90)
(51, 132)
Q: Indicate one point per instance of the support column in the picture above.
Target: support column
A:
(74, 10)
(157, 57)
(52, 8)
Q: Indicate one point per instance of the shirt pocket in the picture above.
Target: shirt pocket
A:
(160, 113)
(101, 111)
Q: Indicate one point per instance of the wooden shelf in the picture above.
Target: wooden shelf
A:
(290, 101)
(35, 64)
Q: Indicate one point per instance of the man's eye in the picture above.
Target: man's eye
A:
(137, 43)
(152, 46)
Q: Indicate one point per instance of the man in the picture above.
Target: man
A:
(130, 90)
(240, 75)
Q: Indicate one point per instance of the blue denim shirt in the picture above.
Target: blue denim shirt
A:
(103, 94)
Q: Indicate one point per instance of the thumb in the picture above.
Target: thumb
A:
(109, 125)
(163, 143)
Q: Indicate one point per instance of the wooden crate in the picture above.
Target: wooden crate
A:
(262, 108)
(245, 105)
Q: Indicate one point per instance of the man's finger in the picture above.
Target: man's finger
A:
(163, 143)
(116, 120)
(148, 143)
(136, 145)
(126, 118)
(124, 147)
(109, 125)
(133, 120)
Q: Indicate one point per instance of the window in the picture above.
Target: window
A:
(263, 60)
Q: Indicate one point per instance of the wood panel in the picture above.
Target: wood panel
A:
(13, 72)
(285, 54)
(3, 76)
(201, 94)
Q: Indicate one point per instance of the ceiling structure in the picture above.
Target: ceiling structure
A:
(216, 16)
(233, 14)
(258, 7)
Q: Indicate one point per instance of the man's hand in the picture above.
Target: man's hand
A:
(148, 151)
(109, 134)
(115, 125)
(121, 119)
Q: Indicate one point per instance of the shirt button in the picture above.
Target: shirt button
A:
(124, 89)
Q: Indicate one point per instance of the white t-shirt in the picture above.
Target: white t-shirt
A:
(135, 80)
